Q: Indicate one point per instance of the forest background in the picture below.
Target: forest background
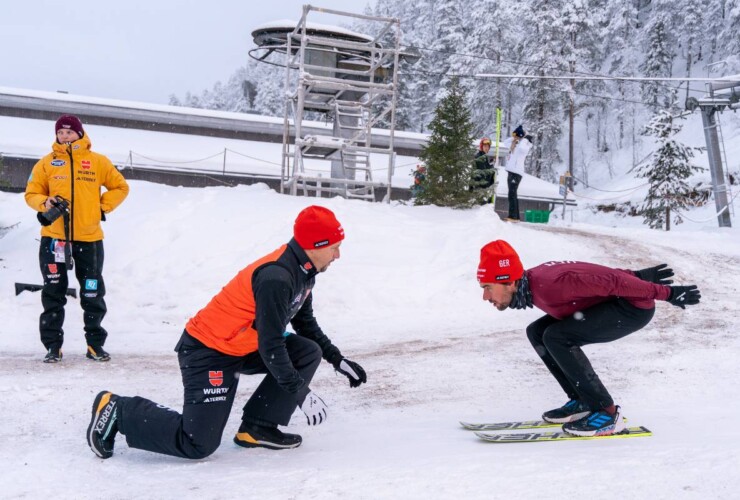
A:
(473, 38)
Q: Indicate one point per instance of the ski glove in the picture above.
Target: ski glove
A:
(658, 274)
(683, 296)
(314, 408)
(352, 371)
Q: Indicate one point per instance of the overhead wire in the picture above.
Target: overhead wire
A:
(542, 66)
(475, 77)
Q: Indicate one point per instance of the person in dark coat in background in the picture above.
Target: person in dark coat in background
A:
(484, 172)
(583, 304)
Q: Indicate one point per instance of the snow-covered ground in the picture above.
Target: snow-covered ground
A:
(403, 301)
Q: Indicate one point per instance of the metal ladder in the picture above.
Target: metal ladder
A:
(352, 77)
(352, 123)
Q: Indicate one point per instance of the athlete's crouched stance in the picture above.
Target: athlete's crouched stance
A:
(242, 331)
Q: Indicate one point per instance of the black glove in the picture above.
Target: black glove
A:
(683, 296)
(658, 274)
(352, 371)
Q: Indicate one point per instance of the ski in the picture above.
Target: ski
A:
(532, 437)
(507, 426)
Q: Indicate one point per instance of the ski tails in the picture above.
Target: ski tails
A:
(536, 437)
(508, 426)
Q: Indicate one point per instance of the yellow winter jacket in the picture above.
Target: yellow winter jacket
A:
(76, 174)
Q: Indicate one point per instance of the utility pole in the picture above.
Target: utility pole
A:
(709, 105)
(571, 117)
(719, 188)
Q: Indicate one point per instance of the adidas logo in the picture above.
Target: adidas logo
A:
(102, 422)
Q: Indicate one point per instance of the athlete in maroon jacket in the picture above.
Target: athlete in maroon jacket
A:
(584, 304)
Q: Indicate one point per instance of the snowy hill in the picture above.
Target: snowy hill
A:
(403, 301)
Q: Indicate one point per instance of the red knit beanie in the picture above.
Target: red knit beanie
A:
(499, 263)
(317, 227)
(70, 122)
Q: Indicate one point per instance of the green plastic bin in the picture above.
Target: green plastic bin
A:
(537, 216)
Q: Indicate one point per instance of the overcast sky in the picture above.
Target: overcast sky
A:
(141, 50)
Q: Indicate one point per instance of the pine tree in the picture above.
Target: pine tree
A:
(658, 59)
(619, 36)
(541, 48)
(449, 153)
(667, 173)
(488, 41)
(728, 35)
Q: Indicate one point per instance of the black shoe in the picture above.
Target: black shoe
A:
(101, 433)
(53, 355)
(571, 411)
(97, 354)
(259, 436)
(598, 423)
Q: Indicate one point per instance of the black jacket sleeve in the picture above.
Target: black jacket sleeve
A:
(273, 290)
(305, 325)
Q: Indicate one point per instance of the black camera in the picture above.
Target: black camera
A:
(60, 206)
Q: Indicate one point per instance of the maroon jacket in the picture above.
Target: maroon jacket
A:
(562, 288)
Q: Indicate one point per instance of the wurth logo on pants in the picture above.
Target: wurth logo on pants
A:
(211, 391)
(215, 390)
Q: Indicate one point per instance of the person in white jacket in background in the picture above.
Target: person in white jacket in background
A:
(519, 145)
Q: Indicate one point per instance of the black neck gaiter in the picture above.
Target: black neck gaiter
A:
(523, 297)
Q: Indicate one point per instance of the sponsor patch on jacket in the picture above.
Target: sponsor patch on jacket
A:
(85, 164)
(216, 378)
(58, 163)
(91, 284)
(53, 268)
(59, 177)
(306, 267)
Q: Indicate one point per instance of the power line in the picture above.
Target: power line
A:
(615, 78)
(540, 66)
(476, 77)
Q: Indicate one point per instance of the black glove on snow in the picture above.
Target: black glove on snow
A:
(352, 371)
(683, 296)
(658, 274)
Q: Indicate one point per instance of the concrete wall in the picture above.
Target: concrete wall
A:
(15, 173)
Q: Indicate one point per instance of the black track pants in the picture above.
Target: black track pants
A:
(513, 180)
(210, 379)
(88, 267)
(559, 342)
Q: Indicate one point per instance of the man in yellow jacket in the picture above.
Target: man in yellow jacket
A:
(64, 188)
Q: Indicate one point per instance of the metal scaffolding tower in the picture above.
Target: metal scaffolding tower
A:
(349, 77)
(721, 95)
